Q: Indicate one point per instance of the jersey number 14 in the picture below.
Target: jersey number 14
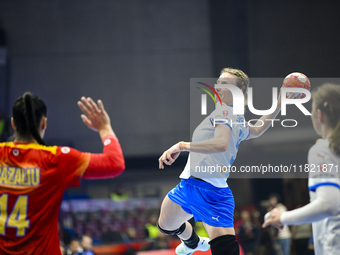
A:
(17, 218)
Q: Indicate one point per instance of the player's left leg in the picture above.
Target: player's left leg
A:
(223, 241)
(173, 220)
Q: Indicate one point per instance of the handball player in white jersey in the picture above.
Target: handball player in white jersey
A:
(209, 199)
(324, 176)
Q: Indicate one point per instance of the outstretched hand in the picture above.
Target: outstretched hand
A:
(169, 156)
(273, 218)
(94, 116)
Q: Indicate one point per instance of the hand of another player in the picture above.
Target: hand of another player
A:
(273, 219)
(95, 116)
(169, 156)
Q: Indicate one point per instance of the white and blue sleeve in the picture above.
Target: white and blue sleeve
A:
(221, 115)
(323, 167)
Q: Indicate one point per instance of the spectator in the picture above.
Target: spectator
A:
(74, 248)
(266, 239)
(247, 234)
(130, 235)
(62, 250)
(109, 236)
(151, 227)
(119, 195)
(301, 235)
(311, 246)
(284, 235)
(161, 242)
(64, 235)
(86, 243)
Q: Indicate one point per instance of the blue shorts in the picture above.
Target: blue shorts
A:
(207, 203)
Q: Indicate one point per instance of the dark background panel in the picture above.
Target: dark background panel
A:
(139, 57)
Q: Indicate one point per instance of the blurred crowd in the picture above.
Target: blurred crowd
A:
(78, 231)
(108, 227)
(254, 240)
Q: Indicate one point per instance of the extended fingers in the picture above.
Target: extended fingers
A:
(83, 107)
(86, 120)
(93, 104)
(88, 106)
(101, 105)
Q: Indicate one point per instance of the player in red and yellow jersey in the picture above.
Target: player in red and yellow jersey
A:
(33, 176)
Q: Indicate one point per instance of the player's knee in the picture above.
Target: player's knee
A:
(178, 231)
(224, 245)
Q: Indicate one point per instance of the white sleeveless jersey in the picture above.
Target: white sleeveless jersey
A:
(214, 167)
(324, 170)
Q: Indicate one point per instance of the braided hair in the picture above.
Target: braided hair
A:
(242, 82)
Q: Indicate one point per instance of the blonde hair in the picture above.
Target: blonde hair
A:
(327, 99)
(242, 83)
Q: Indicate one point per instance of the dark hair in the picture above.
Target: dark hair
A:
(27, 112)
(327, 98)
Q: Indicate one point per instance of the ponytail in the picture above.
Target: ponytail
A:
(334, 139)
(28, 112)
(30, 118)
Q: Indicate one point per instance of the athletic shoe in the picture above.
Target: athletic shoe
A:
(203, 245)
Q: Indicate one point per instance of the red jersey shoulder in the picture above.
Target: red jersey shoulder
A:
(65, 151)
(68, 155)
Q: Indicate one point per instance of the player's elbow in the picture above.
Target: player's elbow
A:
(223, 146)
(119, 166)
(114, 166)
(255, 132)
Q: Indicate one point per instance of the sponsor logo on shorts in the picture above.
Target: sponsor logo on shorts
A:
(215, 218)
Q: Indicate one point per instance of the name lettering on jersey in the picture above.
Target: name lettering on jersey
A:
(15, 176)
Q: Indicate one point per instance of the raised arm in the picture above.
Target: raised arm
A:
(265, 121)
(263, 124)
(111, 162)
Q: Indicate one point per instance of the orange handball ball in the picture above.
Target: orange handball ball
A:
(296, 80)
